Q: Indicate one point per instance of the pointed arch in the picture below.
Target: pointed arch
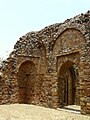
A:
(67, 84)
(26, 81)
(69, 40)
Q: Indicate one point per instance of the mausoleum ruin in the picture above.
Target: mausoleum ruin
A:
(50, 67)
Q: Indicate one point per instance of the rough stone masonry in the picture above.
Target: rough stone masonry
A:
(50, 67)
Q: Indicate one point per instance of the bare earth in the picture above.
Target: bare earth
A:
(32, 112)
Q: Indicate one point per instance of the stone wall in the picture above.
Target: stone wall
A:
(45, 66)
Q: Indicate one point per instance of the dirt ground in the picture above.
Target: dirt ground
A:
(32, 112)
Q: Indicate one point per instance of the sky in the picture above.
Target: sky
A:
(18, 17)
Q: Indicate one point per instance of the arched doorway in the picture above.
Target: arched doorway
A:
(26, 82)
(67, 83)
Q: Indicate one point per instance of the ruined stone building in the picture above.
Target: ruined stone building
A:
(50, 67)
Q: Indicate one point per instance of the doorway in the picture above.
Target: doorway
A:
(67, 83)
(26, 82)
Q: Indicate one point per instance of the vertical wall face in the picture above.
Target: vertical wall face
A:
(68, 73)
(30, 78)
(70, 46)
(49, 68)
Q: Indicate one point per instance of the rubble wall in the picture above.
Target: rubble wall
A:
(39, 57)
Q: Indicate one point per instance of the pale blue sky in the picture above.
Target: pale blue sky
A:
(17, 17)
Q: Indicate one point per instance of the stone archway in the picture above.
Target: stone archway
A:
(26, 82)
(67, 83)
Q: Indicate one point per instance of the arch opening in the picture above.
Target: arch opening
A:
(26, 80)
(68, 84)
